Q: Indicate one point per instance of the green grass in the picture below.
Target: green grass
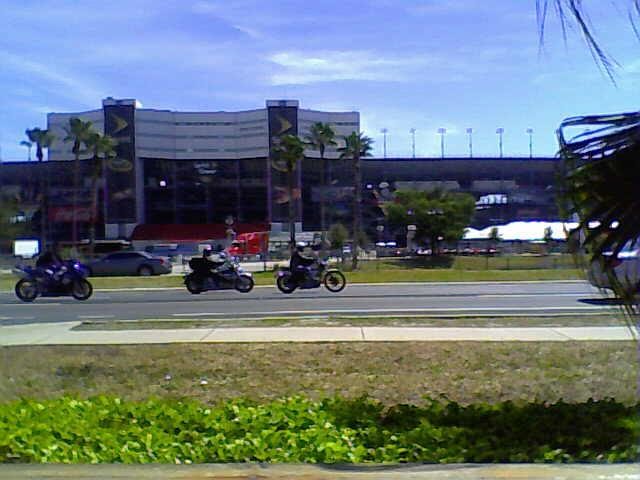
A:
(465, 372)
(367, 275)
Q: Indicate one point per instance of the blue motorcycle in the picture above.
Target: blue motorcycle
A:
(67, 280)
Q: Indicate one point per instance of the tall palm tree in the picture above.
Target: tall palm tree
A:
(356, 146)
(321, 135)
(102, 148)
(79, 133)
(29, 145)
(289, 153)
(42, 139)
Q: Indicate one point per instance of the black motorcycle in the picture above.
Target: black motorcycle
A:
(202, 279)
(68, 280)
(314, 276)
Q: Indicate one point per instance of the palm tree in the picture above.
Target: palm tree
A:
(27, 144)
(42, 139)
(79, 133)
(102, 147)
(356, 146)
(289, 152)
(321, 135)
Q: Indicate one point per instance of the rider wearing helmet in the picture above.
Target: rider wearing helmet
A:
(218, 260)
(300, 263)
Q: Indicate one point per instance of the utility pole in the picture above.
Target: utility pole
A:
(530, 133)
(413, 142)
(470, 135)
(500, 131)
(442, 132)
(384, 144)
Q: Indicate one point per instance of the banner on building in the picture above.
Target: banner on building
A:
(283, 120)
(120, 171)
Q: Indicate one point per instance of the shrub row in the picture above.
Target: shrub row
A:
(108, 429)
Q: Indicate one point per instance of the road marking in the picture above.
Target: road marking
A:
(391, 310)
(95, 316)
(517, 295)
(46, 304)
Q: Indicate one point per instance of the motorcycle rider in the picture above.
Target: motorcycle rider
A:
(50, 263)
(300, 264)
(218, 262)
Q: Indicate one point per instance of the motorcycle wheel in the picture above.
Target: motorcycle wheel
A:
(334, 281)
(26, 290)
(81, 289)
(284, 285)
(193, 286)
(244, 284)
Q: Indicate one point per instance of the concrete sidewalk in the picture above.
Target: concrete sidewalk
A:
(63, 334)
(254, 471)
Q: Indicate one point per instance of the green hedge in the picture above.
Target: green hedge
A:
(107, 429)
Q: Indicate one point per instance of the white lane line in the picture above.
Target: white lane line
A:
(520, 295)
(389, 310)
(45, 304)
(95, 316)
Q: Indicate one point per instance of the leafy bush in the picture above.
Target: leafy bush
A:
(107, 429)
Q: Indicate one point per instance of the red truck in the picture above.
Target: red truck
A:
(253, 243)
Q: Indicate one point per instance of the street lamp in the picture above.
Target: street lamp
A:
(500, 131)
(384, 144)
(413, 141)
(470, 135)
(530, 133)
(442, 132)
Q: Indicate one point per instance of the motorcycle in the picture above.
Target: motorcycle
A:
(68, 280)
(332, 279)
(201, 279)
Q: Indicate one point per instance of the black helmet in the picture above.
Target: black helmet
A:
(219, 248)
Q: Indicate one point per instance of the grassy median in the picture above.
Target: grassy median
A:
(465, 372)
(369, 275)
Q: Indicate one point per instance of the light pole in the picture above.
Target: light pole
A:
(442, 132)
(530, 133)
(413, 142)
(384, 144)
(500, 131)
(470, 135)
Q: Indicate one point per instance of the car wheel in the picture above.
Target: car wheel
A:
(145, 271)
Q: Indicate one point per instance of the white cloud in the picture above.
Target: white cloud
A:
(52, 79)
(328, 66)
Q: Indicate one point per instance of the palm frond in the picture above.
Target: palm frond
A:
(574, 13)
(602, 177)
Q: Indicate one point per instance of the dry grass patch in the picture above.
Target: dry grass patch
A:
(465, 372)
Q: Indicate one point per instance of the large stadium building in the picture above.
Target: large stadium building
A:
(200, 171)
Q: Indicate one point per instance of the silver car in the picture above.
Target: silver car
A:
(129, 263)
(625, 268)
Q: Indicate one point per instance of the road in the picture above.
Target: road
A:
(426, 299)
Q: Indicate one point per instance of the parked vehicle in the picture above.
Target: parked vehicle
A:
(254, 243)
(67, 280)
(202, 279)
(317, 275)
(129, 263)
(624, 268)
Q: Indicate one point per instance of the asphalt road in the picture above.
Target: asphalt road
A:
(427, 298)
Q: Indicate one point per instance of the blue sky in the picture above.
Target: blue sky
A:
(401, 63)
